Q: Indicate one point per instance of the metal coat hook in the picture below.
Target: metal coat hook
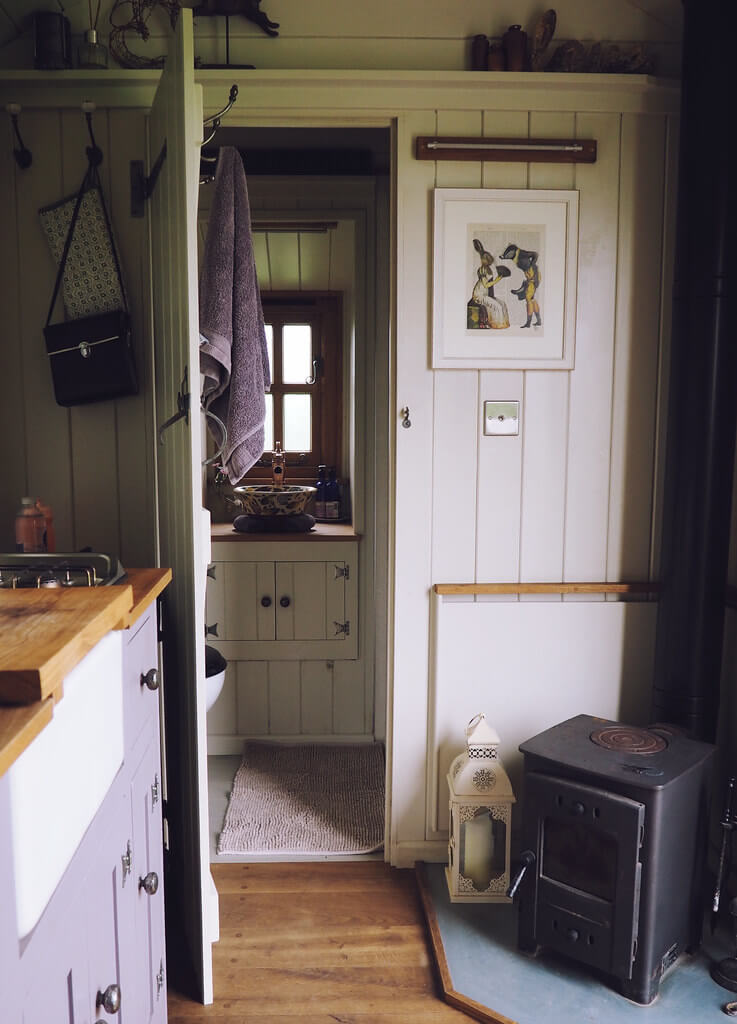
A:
(94, 153)
(214, 120)
(182, 412)
(23, 156)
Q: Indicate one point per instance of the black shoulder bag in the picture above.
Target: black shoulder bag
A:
(91, 358)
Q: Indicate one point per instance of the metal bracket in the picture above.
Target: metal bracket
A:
(182, 407)
(142, 187)
(342, 572)
(342, 627)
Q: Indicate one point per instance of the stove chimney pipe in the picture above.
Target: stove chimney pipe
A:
(702, 409)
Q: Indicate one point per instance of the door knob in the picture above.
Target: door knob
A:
(150, 679)
(109, 1000)
(266, 601)
(284, 601)
(150, 883)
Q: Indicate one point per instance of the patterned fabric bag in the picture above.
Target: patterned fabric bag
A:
(90, 354)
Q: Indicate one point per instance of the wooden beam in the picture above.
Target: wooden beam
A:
(475, 589)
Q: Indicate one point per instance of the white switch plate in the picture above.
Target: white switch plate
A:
(501, 418)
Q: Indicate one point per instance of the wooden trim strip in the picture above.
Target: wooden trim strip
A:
(640, 587)
(450, 996)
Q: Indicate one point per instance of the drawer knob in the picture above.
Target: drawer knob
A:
(284, 601)
(150, 883)
(109, 1000)
(150, 679)
(266, 601)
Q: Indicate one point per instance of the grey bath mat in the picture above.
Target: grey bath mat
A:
(306, 799)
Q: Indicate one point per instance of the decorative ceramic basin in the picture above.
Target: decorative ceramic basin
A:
(58, 782)
(267, 500)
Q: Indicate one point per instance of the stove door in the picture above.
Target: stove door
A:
(588, 870)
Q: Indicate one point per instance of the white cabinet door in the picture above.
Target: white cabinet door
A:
(175, 134)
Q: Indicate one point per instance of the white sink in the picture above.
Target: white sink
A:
(58, 783)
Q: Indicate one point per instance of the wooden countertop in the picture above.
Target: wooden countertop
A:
(320, 532)
(45, 633)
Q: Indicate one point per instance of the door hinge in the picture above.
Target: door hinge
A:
(342, 571)
(342, 627)
(155, 790)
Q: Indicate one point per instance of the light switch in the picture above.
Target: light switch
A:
(501, 417)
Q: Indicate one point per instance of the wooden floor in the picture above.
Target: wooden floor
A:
(319, 943)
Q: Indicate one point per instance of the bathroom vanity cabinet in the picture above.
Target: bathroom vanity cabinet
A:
(284, 599)
(97, 952)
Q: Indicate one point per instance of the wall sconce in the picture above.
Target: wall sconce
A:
(481, 801)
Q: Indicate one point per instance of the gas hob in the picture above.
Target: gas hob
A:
(47, 570)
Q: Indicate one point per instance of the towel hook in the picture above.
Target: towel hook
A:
(182, 412)
(214, 119)
(224, 435)
(23, 156)
(94, 153)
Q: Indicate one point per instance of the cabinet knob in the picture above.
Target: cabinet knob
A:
(150, 679)
(284, 601)
(150, 884)
(109, 1000)
(266, 601)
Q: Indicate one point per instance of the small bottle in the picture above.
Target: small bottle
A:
(49, 536)
(320, 485)
(29, 527)
(332, 496)
(515, 48)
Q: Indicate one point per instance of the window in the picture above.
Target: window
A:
(304, 409)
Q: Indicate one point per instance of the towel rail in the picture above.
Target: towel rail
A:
(224, 437)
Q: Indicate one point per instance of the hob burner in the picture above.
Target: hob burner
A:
(628, 739)
(45, 570)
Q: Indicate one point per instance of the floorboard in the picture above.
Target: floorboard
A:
(327, 942)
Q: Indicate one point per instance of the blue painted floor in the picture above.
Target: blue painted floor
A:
(480, 943)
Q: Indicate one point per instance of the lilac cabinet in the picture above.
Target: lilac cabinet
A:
(97, 953)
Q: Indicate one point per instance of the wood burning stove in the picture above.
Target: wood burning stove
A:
(614, 834)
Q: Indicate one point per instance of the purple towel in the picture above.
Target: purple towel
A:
(233, 354)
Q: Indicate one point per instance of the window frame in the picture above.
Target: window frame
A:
(324, 312)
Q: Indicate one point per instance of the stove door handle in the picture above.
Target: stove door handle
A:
(526, 860)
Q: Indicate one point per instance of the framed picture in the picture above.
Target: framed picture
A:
(504, 279)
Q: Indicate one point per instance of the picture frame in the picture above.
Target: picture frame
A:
(505, 264)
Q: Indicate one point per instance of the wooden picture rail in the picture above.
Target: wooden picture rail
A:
(550, 151)
(477, 589)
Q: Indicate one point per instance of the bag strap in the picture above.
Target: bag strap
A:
(90, 180)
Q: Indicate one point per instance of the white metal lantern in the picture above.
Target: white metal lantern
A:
(481, 801)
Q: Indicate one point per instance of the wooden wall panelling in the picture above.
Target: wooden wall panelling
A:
(12, 416)
(455, 409)
(284, 698)
(134, 415)
(637, 329)
(47, 425)
(314, 260)
(252, 685)
(342, 261)
(500, 483)
(93, 427)
(283, 260)
(587, 495)
(455, 455)
(316, 698)
(261, 258)
(349, 684)
(545, 414)
(413, 488)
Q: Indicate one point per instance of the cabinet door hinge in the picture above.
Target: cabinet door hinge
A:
(342, 627)
(342, 572)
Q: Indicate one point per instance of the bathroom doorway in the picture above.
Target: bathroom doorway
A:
(320, 211)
